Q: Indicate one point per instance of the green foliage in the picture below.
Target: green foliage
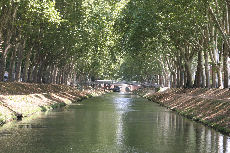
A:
(43, 109)
(1, 119)
(58, 105)
(110, 39)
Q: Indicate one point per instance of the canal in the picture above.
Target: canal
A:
(114, 123)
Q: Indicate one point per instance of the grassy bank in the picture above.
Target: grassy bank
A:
(208, 106)
(18, 100)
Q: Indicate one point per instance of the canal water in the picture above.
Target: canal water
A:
(113, 123)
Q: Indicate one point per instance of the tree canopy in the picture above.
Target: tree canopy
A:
(169, 42)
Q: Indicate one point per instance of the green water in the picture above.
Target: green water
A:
(114, 123)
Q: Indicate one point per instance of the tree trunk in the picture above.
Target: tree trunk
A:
(225, 65)
(51, 73)
(213, 76)
(54, 75)
(62, 76)
(219, 66)
(213, 55)
(188, 74)
(199, 70)
(195, 81)
(2, 67)
(203, 72)
(219, 76)
(66, 76)
(74, 78)
(58, 79)
(30, 73)
(26, 66)
(174, 80)
(166, 79)
(203, 80)
(34, 73)
(185, 78)
(7, 18)
(6, 48)
(181, 71)
(160, 80)
(19, 62)
(178, 77)
(11, 75)
(206, 57)
(40, 73)
(181, 76)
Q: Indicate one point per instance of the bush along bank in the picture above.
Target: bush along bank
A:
(208, 106)
(18, 100)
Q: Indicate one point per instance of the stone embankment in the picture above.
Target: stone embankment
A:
(208, 106)
(18, 100)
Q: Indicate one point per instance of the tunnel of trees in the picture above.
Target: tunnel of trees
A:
(177, 43)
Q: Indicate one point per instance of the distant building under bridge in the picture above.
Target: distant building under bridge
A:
(123, 85)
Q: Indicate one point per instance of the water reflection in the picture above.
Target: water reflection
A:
(142, 128)
(113, 123)
(121, 104)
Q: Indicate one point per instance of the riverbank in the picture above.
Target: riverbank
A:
(18, 100)
(208, 106)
